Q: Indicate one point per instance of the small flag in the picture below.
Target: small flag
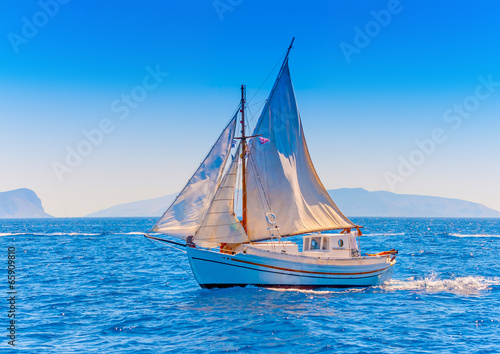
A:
(263, 140)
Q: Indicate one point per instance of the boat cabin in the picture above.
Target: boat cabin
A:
(331, 245)
(315, 245)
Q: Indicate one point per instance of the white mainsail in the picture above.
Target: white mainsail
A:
(220, 223)
(186, 213)
(281, 179)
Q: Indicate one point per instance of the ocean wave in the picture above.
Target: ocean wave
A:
(384, 234)
(49, 234)
(459, 285)
(3, 234)
(11, 233)
(467, 285)
(319, 292)
(68, 234)
(474, 235)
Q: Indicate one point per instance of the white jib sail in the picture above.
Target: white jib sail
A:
(186, 213)
(281, 178)
(220, 224)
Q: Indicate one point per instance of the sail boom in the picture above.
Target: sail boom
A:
(319, 230)
(302, 233)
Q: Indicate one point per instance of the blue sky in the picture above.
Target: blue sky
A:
(72, 67)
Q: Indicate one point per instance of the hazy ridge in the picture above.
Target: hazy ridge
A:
(352, 202)
(21, 203)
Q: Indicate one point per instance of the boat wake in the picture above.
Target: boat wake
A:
(474, 235)
(468, 285)
(460, 285)
(2, 234)
(319, 292)
(384, 234)
(6, 234)
(48, 234)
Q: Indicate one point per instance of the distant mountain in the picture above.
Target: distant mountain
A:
(360, 202)
(21, 203)
(352, 202)
(148, 207)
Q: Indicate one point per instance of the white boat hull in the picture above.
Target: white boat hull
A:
(213, 269)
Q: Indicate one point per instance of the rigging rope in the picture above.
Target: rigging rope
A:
(256, 174)
(260, 183)
(238, 184)
(279, 61)
(252, 120)
(169, 256)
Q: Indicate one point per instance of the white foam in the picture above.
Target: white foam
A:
(474, 235)
(48, 234)
(459, 285)
(10, 233)
(318, 292)
(64, 233)
(67, 234)
(384, 234)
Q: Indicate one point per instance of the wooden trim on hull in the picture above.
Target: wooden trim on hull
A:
(306, 271)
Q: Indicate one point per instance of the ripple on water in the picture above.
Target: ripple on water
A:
(97, 285)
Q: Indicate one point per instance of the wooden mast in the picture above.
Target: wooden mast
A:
(243, 162)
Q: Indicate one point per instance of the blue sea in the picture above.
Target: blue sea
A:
(98, 286)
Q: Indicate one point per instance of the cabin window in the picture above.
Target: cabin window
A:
(341, 243)
(325, 243)
(315, 243)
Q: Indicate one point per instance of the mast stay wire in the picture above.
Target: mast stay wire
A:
(253, 120)
(263, 197)
(262, 193)
(169, 255)
(255, 93)
(279, 61)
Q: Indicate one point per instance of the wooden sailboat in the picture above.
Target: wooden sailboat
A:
(282, 196)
